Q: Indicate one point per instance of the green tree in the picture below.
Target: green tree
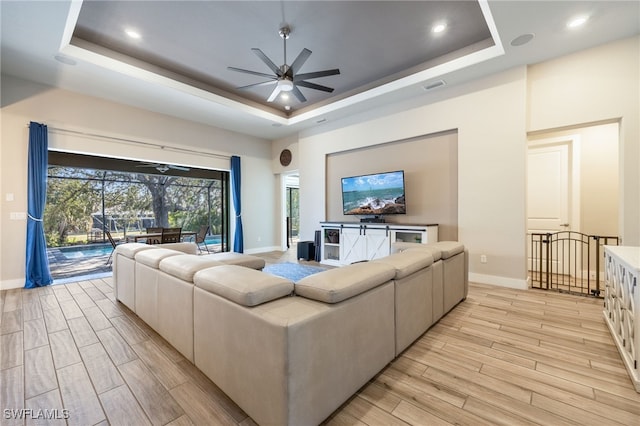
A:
(70, 202)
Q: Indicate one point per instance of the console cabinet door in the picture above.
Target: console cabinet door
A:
(352, 246)
(377, 242)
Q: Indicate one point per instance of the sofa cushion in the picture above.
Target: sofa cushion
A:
(448, 248)
(153, 257)
(429, 248)
(231, 258)
(244, 286)
(408, 262)
(185, 247)
(336, 285)
(130, 249)
(184, 266)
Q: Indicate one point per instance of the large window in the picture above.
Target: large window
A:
(88, 195)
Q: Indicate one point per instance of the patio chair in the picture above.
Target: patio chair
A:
(113, 244)
(154, 240)
(201, 236)
(171, 235)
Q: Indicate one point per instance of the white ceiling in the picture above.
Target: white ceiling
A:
(384, 50)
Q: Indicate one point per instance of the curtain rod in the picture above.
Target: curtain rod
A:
(136, 142)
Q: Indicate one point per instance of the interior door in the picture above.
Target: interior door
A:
(548, 196)
(548, 189)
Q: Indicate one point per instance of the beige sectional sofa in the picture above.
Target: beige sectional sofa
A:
(291, 354)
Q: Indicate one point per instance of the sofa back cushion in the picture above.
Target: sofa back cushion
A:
(130, 249)
(244, 286)
(336, 285)
(153, 257)
(448, 248)
(429, 248)
(407, 262)
(184, 247)
(184, 266)
(241, 259)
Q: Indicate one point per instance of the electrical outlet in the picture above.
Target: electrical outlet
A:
(483, 258)
(259, 239)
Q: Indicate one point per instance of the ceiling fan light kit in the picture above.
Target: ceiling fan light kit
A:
(286, 77)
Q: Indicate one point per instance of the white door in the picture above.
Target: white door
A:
(548, 201)
(548, 189)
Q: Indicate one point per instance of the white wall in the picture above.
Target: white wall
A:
(493, 117)
(24, 101)
(590, 86)
(490, 119)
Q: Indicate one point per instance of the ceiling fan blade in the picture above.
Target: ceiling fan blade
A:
(276, 69)
(264, 83)
(316, 74)
(299, 61)
(310, 85)
(260, 74)
(184, 169)
(298, 94)
(274, 94)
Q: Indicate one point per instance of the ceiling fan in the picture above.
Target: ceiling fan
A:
(286, 76)
(163, 168)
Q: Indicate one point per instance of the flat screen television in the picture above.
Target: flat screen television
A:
(374, 194)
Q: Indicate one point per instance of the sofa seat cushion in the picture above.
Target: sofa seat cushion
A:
(231, 258)
(244, 286)
(184, 266)
(153, 257)
(448, 248)
(408, 262)
(130, 249)
(336, 285)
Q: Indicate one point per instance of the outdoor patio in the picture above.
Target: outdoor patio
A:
(62, 267)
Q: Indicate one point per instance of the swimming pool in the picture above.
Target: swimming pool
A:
(212, 239)
(96, 250)
(82, 252)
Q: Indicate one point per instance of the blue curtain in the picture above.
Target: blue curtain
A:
(37, 265)
(238, 245)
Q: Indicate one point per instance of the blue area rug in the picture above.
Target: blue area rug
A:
(292, 271)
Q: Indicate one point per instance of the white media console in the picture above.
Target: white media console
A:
(347, 242)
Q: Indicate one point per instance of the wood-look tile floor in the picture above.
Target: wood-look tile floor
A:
(500, 357)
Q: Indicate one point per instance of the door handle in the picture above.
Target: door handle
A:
(565, 225)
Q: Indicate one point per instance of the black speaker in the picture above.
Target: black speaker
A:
(306, 250)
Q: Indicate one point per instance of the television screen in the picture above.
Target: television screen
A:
(376, 194)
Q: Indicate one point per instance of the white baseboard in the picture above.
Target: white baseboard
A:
(498, 281)
(263, 250)
(9, 284)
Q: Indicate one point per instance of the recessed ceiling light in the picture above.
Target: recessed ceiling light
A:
(287, 107)
(132, 33)
(577, 22)
(438, 28)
